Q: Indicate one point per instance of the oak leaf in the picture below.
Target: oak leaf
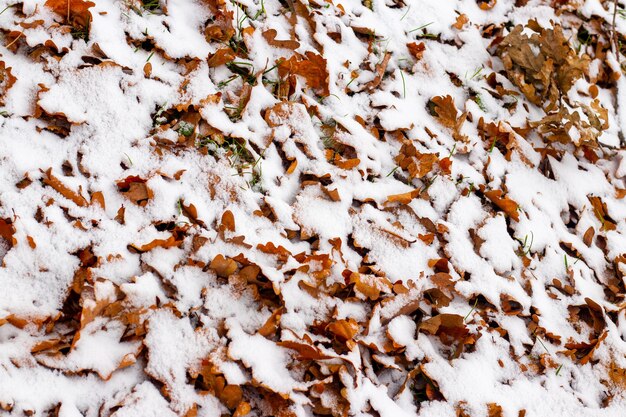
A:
(444, 110)
(311, 66)
(221, 56)
(75, 12)
(416, 49)
(6, 81)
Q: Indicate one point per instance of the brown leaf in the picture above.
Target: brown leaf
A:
(175, 240)
(380, 72)
(228, 221)
(221, 57)
(543, 66)
(223, 267)
(280, 251)
(7, 230)
(600, 211)
(445, 324)
(416, 49)
(461, 20)
(75, 12)
(135, 189)
(493, 409)
(348, 163)
(311, 66)
(62, 189)
(370, 285)
(271, 325)
(270, 37)
(343, 329)
(98, 198)
(588, 237)
(444, 110)
(416, 163)
(305, 351)
(222, 28)
(404, 198)
(508, 206)
(6, 81)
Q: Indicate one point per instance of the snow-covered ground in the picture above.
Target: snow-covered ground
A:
(292, 208)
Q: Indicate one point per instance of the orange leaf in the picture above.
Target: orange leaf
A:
(66, 192)
(223, 267)
(487, 4)
(348, 163)
(270, 37)
(280, 251)
(507, 205)
(75, 12)
(228, 221)
(310, 66)
(221, 57)
(305, 351)
(7, 230)
(447, 324)
(135, 189)
(404, 198)
(271, 325)
(343, 329)
(416, 49)
(98, 198)
(176, 239)
(461, 20)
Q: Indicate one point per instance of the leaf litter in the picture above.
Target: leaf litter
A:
(312, 208)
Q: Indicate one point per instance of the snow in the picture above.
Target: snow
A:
(158, 332)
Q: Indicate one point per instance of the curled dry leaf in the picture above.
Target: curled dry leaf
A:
(311, 66)
(543, 66)
(74, 12)
(271, 325)
(381, 67)
(404, 198)
(508, 206)
(221, 56)
(370, 285)
(461, 20)
(416, 49)
(135, 189)
(600, 211)
(448, 325)
(444, 110)
(223, 267)
(175, 240)
(305, 350)
(7, 230)
(270, 37)
(416, 163)
(343, 329)
(62, 189)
